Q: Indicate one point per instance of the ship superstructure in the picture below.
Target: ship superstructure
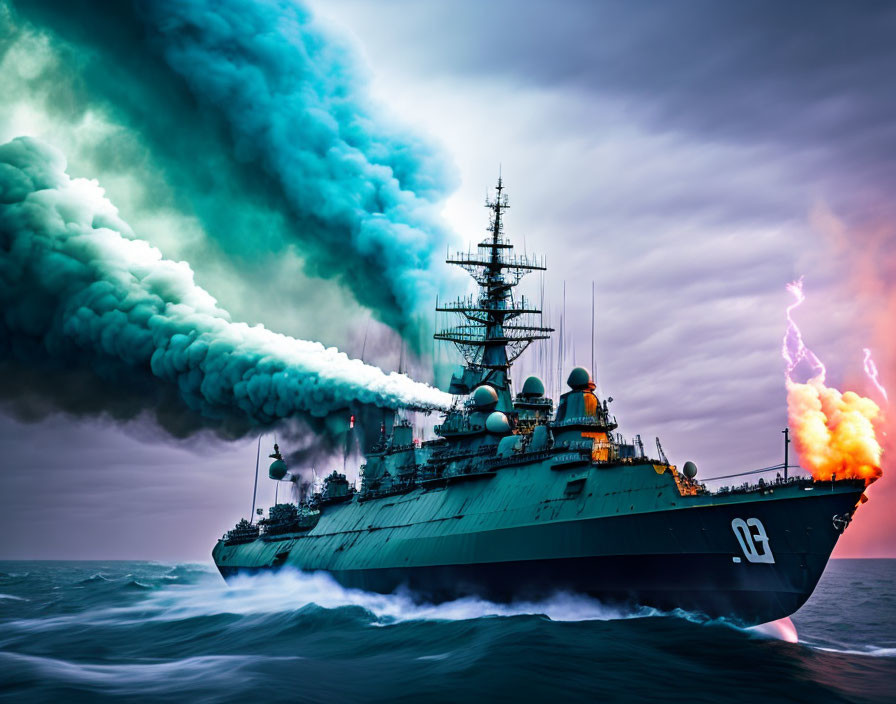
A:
(515, 498)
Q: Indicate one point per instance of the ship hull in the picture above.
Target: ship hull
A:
(701, 557)
(619, 580)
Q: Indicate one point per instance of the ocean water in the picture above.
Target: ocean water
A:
(138, 631)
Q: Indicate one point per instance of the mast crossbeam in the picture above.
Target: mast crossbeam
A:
(487, 340)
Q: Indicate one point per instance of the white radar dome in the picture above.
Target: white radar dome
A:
(497, 423)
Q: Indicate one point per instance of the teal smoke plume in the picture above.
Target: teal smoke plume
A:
(255, 93)
(96, 320)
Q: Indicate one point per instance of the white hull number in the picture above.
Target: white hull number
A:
(753, 539)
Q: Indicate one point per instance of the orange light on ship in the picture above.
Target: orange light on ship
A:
(835, 433)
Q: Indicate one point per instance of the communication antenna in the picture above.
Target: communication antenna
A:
(560, 346)
(563, 333)
(364, 345)
(255, 485)
(786, 432)
(593, 370)
(349, 434)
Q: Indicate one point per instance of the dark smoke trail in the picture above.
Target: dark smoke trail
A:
(89, 312)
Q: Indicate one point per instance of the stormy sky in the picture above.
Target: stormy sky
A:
(689, 158)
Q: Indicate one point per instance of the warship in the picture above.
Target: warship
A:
(515, 499)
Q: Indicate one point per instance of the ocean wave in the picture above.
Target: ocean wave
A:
(869, 650)
(200, 672)
(97, 578)
(13, 597)
(13, 577)
(136, 584)
(289, 590)
(293, 636)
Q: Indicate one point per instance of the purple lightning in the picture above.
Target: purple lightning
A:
(793, 349)
(871, 371)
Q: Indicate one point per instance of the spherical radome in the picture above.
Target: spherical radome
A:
(579, 378)
(497, 423)
(689, 470)
(277, 470)
(485, 396)
(533, 387)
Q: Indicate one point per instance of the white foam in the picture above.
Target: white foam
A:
(13, 598)
(871, 650)
(290, 590)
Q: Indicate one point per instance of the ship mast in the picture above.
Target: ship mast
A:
(493, 327)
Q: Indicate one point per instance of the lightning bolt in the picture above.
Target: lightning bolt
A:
(793, 349)
(871, 371)
(834, 432)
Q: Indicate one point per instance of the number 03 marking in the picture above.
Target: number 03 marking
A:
(753, 539)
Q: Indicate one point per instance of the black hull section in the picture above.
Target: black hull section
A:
(688, 582)
(688, 559)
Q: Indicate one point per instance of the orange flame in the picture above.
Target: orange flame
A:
(835, 433)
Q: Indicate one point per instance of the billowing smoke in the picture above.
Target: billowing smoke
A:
(834, 432)
(96, 321)
(255, 100)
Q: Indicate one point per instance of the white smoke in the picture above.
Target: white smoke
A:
(79, 292)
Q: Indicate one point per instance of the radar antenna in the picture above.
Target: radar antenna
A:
(494, 327)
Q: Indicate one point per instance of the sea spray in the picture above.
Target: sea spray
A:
(290, 589)
(80, 294)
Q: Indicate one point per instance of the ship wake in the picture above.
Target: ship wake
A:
(292, 590)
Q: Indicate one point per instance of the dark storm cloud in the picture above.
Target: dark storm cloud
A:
(809, 78)
(721, 68)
